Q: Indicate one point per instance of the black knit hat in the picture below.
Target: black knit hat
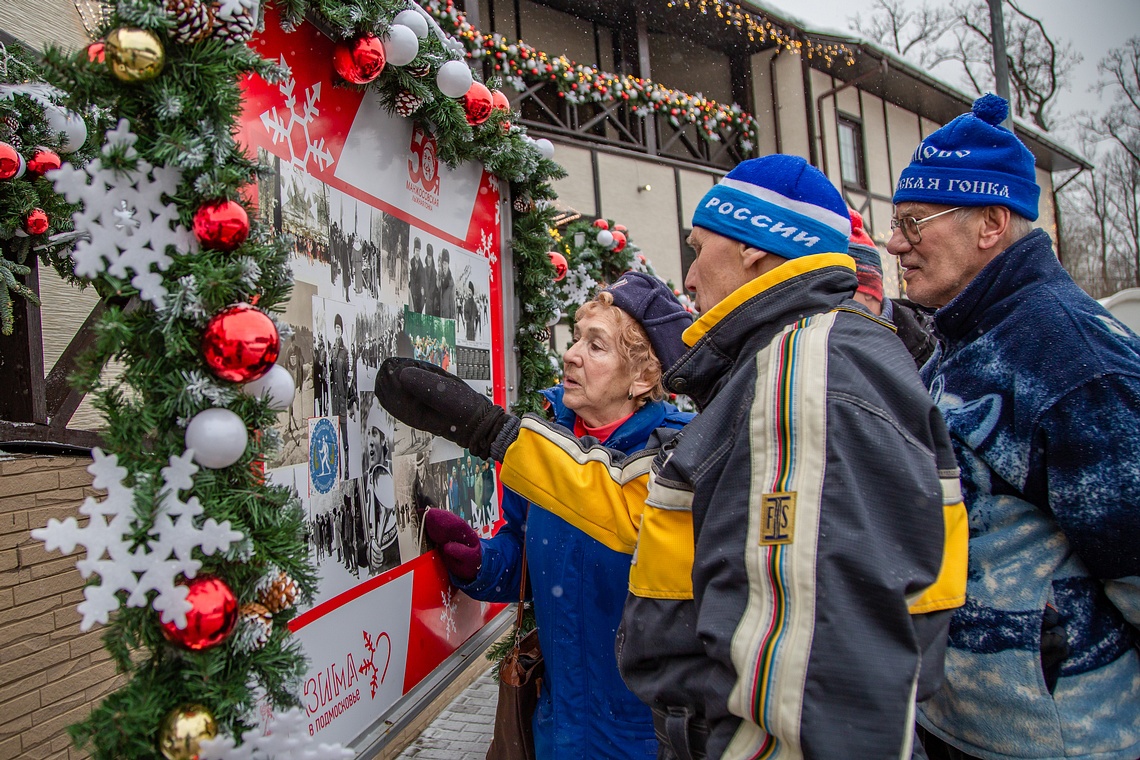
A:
(650, 302)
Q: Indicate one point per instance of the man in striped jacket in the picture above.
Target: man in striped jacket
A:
(796, 548)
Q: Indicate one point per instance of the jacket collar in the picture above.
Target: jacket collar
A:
(633, 432)
(999, 288)
(753, 314)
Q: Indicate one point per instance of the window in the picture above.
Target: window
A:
(851, 152)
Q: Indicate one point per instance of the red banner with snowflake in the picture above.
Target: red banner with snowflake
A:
(395, 254)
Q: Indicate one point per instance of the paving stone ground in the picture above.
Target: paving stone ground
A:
(463, 730)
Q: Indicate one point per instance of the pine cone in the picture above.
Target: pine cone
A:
(407, 103)
(12, 126)
(257, 624)
(523, 205)
(280, 594)
(418, 70)
(193, 20)
(236, 28)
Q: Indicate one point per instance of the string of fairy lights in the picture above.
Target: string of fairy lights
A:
(521, 64)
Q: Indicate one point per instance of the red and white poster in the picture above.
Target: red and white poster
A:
(394, 254)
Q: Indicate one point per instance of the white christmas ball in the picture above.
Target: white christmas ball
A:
(555, 318)
(454, 79)
(218, 438)
(277, 384)
(413, 20)
(74, 133)
(401, 45)
(545, 147)
(71, 124)
(605, 238)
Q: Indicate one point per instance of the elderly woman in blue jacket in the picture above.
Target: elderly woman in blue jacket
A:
(611, 391)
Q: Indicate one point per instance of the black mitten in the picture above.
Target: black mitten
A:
(426, 397)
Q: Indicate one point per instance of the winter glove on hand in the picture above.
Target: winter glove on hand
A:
(426, 397)
(459, 546)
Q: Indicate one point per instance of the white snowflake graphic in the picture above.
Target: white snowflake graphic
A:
(150, 565)
(486, 248)
(281, 125)
(127, 223)
(447, 615)
(285, 738)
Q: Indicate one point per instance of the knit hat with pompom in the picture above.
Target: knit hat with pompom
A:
(973, 161)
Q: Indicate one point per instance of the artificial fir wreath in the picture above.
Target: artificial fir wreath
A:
(171, 93)
(28, 112)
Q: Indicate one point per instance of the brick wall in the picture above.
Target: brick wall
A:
(51, 674)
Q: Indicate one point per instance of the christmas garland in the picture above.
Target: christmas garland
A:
(591, 254)
(473, 127)
(195, 563)
(521, 64)
(35, 135)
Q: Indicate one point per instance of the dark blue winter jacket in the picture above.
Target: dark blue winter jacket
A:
(579, 588)
(1040, 388)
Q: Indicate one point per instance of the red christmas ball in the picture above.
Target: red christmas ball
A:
(620, 228)
(36, 222)
(212, 617)
(11, 162)
(560, 265)
(223, 225)
(500, 101)
(97, 52)
(240, 344)
(477, 103)
(601, 224)
(619, 239)
(360, 60)
(44, 161)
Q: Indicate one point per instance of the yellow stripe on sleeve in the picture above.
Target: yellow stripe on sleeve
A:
(584, 488)
(949, 588)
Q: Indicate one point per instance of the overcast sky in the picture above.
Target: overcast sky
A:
(1092, 26)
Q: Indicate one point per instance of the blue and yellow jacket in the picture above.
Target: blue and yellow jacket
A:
(578, 588)
(786, 544)
(1040, 387)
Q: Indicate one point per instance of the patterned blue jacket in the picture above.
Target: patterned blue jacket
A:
(578, 587)
(1040, 388)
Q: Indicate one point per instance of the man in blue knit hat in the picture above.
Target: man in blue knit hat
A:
(1040, 388)
(789, 595)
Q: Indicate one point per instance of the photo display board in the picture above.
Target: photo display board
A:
(395, 255)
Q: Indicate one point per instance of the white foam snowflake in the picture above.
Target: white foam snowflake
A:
(285, 738)
(126, 223)
(138, 568)
(447, 614)
(280, 126)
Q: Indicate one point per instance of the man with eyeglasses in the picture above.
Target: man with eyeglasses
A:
(1040, 388)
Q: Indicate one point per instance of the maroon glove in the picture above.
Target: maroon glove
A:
(458, 544)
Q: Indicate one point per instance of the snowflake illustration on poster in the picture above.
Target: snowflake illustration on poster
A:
(282, 125)
(127, 226)
(138, 567)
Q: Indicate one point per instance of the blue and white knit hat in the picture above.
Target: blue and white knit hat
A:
(779, 204)
(973, 161)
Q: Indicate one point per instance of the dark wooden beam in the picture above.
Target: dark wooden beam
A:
(32, 434)
(22, 359)
(62, 399)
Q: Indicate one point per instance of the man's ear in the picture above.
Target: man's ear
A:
(757, 262)
(753, 256)
(993, 226)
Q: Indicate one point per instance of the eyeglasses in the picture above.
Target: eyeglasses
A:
(910, 226)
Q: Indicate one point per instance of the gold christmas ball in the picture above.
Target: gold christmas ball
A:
(134, 55)
(183, 729)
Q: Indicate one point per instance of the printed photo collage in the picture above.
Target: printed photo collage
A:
(368, 286)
